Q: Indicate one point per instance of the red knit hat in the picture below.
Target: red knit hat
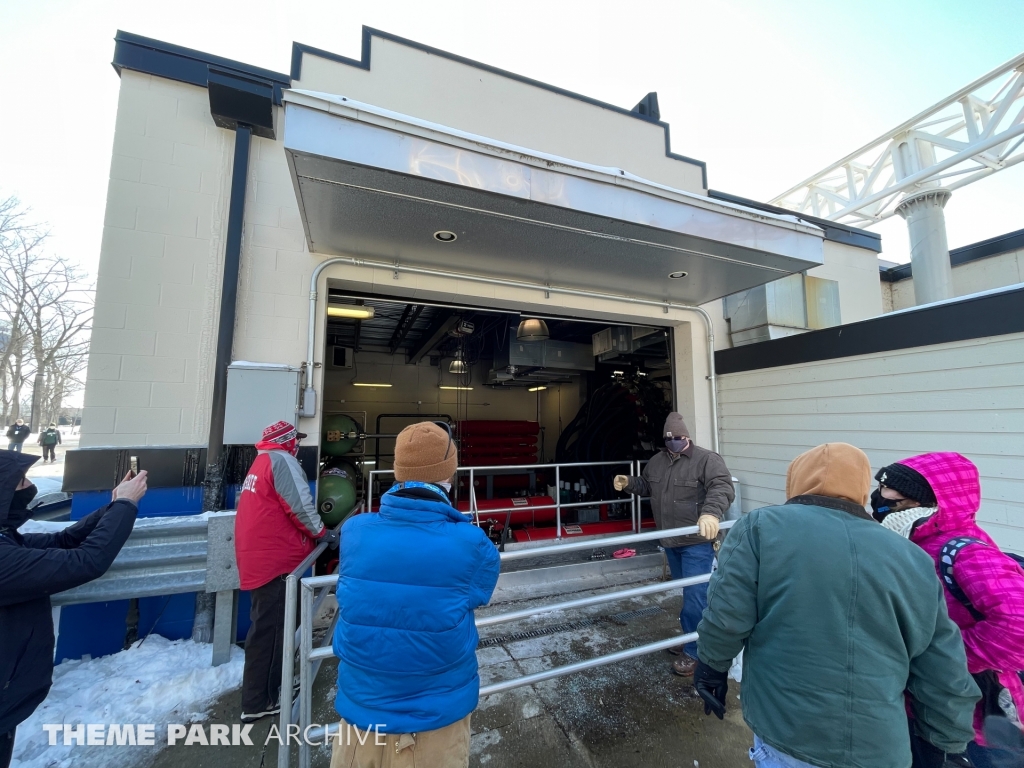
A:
(281, 432)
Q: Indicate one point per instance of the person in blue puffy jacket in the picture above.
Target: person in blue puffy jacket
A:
(411, 576)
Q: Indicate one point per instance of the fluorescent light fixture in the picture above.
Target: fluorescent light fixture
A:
(536, 389)
(350, 312)
(458, 389)
(368, 384)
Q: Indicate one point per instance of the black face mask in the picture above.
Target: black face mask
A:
(882, 506)
(19, 511)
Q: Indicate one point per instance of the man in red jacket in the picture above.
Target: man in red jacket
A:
(275, 528)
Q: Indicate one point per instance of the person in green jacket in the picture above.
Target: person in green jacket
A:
(838, 619)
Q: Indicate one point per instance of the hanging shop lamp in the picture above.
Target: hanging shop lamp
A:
(533, 329)
(458, 365)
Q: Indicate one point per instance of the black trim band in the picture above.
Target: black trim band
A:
(993, 314)
(363, 62)
(965, 254)
(100, 469)
(839, 233)
(155, 57)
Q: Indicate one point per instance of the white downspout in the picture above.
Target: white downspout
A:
(309, 393)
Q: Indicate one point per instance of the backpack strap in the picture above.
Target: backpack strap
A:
(947, 559)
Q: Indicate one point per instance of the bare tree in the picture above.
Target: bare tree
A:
(44, 318)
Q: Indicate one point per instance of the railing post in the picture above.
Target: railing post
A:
(558, 502)
(635, 471)
(472, 499)
(305, 684)
(287, 667)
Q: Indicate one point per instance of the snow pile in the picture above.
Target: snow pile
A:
(157, 682)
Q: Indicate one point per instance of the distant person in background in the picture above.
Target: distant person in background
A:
(17, 434)
(932, 499)
(34, 566)
(49, 438)
(688, 486)
(276, 527)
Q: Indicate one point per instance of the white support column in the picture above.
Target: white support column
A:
(929, 249)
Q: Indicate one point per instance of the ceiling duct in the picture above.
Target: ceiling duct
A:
(623, 340)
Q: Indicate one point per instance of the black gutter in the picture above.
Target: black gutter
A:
(979, 317)
(839, 233)
(213, 484)
(965, 254)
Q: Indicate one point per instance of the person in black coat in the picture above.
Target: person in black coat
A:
(34, 566)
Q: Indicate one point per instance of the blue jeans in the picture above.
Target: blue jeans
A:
(14, 447)
(694, 560)
(765, 756)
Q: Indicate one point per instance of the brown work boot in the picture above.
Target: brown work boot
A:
(675, 650)
(684, 665)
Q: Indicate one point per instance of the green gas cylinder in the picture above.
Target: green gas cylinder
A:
(336, 493)
(336, 435)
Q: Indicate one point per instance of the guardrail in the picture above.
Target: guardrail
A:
(311, 658)
(163, 556)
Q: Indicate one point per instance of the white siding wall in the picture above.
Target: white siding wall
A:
(964, 396)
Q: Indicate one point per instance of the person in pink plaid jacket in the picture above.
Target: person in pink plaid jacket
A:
(932, 499)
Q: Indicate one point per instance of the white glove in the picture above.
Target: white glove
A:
(708, 527)
(620, 482)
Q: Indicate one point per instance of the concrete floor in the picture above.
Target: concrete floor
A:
(633, 713)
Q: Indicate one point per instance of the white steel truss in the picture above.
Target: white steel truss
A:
(973, 133)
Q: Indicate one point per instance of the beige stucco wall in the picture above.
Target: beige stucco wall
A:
(157, 292)
(982, 275)
(416, 83)
(150, 374)
(856, 271)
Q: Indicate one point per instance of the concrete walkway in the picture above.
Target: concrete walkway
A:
(634, 713)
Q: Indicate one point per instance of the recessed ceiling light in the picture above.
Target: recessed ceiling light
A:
(445, 236)
(367, 384)
(350, 312)
(676, 275)
(536, 389)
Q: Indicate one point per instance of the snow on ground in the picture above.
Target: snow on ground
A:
(157, 681)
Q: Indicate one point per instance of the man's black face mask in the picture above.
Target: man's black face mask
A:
(19, 511)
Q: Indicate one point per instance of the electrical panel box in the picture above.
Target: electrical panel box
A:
(258, 395)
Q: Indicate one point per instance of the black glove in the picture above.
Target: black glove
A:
(332, 537)
(711, 686)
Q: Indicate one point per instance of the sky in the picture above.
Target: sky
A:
(766, 92)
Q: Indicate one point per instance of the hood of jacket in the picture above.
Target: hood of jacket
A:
(838, 470)
(419, 508)
(13, 467)
(957, 487)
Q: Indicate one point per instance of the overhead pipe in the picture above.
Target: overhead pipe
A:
(309, 393)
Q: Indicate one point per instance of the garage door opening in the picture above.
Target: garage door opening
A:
(545, 410)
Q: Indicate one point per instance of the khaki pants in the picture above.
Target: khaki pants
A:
(446, 747)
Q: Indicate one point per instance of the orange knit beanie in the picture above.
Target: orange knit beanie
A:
(426, 453)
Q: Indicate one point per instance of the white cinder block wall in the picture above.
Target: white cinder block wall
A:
(965, 396)
(157, 292)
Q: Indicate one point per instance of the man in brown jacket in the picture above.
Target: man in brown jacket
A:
(688, 486)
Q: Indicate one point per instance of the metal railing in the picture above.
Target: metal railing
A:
(634, 501)
(292, 710)
(311, 658)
